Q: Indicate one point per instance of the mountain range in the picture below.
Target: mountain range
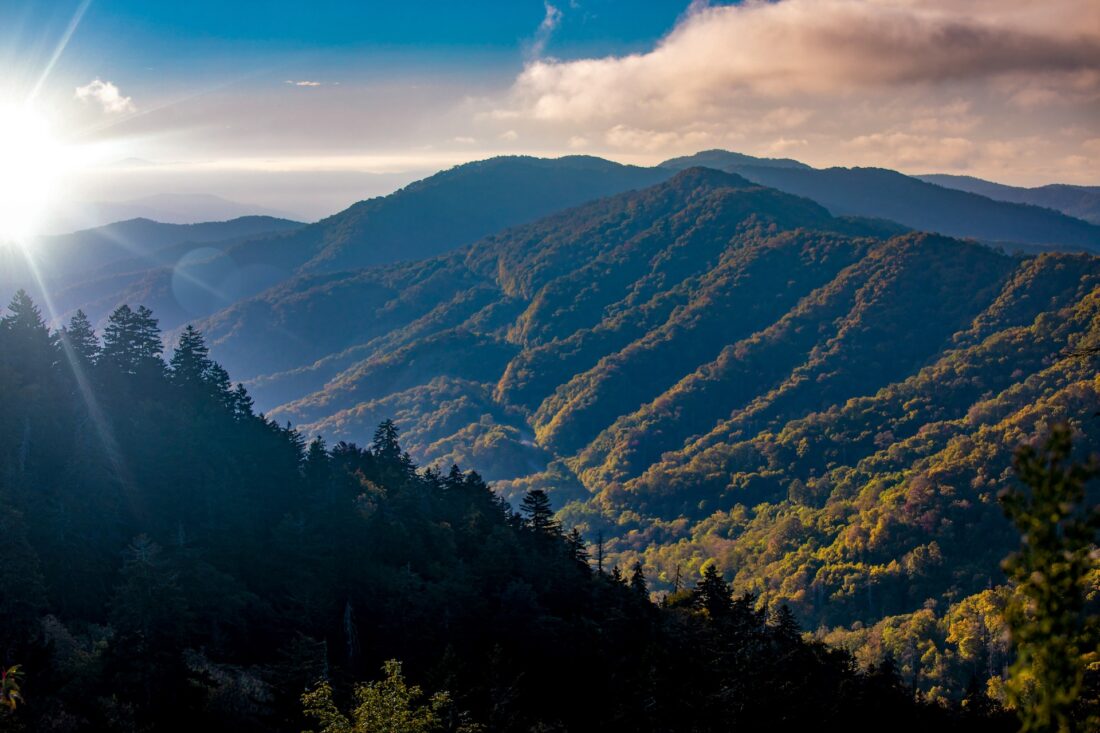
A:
(1082, 202)
(771, 368)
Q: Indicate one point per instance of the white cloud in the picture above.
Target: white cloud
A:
(107, 95)
(717, 56)
(464, 140)
(304, 83)
(921, 83)
(509, 136)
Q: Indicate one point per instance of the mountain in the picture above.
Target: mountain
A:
(96, 269)
(713, 370)
(180, 208)
(185, 272)
(174, 562)
(912, 202)
(458, 206)
(1082, 202)
(726, 160)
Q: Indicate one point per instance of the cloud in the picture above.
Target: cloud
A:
(717, 55)
(921, 82)
(107, 95)
(549, 24)
(304, 83)
(509, 136)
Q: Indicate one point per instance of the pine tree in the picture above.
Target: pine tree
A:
(578, 549)
(712, 594)
(240, 403)
(316, 466)
(190, 363)
(79, 340)
(785, 626)
(637, 580)
(131, 341)
(385, 445)
(540, 517)
(27, 338)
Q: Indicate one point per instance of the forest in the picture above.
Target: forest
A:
(174, 561)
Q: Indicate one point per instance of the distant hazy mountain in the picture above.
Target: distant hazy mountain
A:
(726, 160)
(181, 208)
(96, 268)
(877, 192)
(1082, 202)
(458, 206)
(138, 261)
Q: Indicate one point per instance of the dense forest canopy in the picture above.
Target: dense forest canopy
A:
(173, 561)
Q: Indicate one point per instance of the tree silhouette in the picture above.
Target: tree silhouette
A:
(540, 517)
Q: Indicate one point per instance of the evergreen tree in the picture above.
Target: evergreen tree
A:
(637, 580)
(385, 445)
(190, 363)
(240, 403)
(131, 342)
(28, 341)
(785, 626)
(316, 466)
(712, 594)
(540, 517)
(80, 340)
(578, 548)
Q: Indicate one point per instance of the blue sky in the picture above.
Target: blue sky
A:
(144, 40)
(308, 106)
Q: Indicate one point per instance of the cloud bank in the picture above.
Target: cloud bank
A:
(935, 81)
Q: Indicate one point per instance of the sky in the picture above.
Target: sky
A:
(305, 107)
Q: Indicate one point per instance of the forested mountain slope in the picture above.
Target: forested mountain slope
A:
(712, 370)
(174, 562)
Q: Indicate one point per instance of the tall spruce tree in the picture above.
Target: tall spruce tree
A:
(535, 506)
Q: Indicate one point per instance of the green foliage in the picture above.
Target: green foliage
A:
(11, 695)
(389, 705)
(1051, 629)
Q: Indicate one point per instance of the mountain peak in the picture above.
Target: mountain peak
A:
(704, 177)
(725, 160)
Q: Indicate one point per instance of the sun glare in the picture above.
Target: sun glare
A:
(32, 161)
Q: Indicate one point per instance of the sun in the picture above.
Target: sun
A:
(32, 162)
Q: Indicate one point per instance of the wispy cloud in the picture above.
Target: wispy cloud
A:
(304, 83)
(107, 95)
(549, 24)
